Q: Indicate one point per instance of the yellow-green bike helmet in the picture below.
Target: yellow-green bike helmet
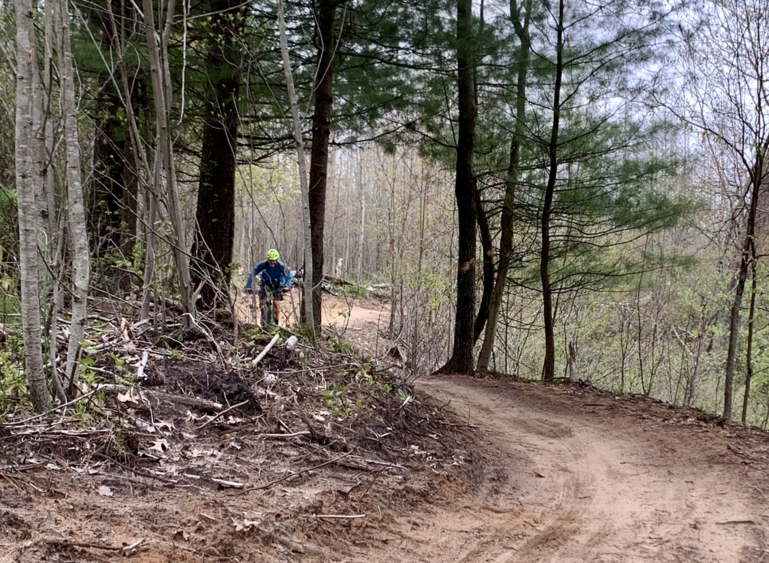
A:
(273, 254)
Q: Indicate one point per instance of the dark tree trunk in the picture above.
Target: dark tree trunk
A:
(487, 244)
(325, 13)
(114, 186)
(106, 193)
(130, 201)
(461, 360)
(548, 367)
(488, 268)
(216, 188)
(739, 290)
(751, 327)
(513, 173)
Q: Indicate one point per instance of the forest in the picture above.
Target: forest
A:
(547, 189)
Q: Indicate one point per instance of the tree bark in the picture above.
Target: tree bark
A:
(751, 328)
(325, 16)
(548, 367)
(81, 269)
(130, 201)
(739, 290)
(56, 237)
(29, 154)
(362, 233)
(309, 254)
(513, 174)
(461, 360)
(106, 185)
(216, 189)
(488, 268)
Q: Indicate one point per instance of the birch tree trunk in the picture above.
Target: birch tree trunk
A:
(29, 154)
(56, 237)
(75, 204)
(309, 317)
(161, 94)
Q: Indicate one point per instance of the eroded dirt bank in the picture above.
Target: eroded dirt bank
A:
(585, 476)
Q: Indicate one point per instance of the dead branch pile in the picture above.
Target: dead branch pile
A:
(192, 411)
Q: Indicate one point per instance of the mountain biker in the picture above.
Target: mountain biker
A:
(276, 280)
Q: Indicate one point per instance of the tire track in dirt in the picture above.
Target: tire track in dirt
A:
(576, 486)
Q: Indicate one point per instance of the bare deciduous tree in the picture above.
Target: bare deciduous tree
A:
(157, 44)
(729, 61)
(309, 308)
(75, 207)
(30, 158)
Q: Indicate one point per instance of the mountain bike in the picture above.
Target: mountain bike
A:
(269, 314)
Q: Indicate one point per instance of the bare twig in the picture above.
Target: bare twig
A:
(223, 412)
(15, 486)
(375, 462)
(271, 483)
(65, 405)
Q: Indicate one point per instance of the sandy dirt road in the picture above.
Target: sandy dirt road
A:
(579, 479)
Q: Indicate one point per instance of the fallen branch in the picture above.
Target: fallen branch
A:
(206, 333)
(125, 549)
(266, 349)
(292, 545)
(140, 371)
(292, 435)
(340, 516)
(15, 486)
(227, 484)
(196, 402)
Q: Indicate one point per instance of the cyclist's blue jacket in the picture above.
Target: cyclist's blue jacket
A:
(272, 276)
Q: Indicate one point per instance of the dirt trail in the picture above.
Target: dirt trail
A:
(579, 481)
(565, 474)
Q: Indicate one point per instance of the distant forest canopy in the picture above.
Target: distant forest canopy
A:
(544, 189)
